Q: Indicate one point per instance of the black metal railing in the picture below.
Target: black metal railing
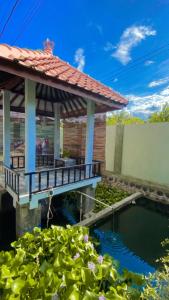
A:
(44, 160)
(18, 161)
(12, 179)
(47, 179)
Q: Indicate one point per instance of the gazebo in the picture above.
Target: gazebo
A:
(37, 83)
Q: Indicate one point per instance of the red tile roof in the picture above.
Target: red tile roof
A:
(55, 68)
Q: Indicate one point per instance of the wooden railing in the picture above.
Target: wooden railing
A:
(47, 179)
(12, 180)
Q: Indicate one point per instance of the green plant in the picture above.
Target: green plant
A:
(66, 153)
(124, 118)
(161, 116)
(108, 194)
(157, 284)
(60, 263)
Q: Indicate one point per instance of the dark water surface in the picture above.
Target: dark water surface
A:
(132, 236)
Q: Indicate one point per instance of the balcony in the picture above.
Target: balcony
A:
(48, 179)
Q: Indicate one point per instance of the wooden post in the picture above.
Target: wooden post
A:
(30, 126)
(89, 132)
(6, 128)
(57, 130)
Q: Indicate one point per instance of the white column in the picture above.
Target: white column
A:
(89, 132)
(30, 126)
(6, 128)
(56, 130)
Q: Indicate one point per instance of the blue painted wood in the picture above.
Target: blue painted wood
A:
(24, 199)
(89, 132)
(6, 128)
(56, 130)
(30, 126)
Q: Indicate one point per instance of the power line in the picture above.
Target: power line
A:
(136, 62)
(131, 67)
(28, 18)
(9, 17)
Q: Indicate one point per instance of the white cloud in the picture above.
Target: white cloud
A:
(108, 47)
(145, 105)
(115, 80)
(80, 59)
(149, 62)
(130, 38)
(158, 82)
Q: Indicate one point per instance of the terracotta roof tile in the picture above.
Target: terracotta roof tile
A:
(56, 68)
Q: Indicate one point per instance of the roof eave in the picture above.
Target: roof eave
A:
(14, 68)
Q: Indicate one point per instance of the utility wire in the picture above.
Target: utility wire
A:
(130, 68)
(136, 62)
(28, 18)
(9, 17)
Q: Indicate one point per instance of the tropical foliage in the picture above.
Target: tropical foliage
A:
(62, 264)
(108, 194)
(59, 263)
(161, 116)
(157, 284)
(124, 118)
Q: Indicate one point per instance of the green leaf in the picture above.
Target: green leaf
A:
(17, 285)
(90, 296)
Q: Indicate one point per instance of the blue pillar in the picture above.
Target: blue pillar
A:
(30, 126)
(6, 128)
(56, 130)
(89, 132)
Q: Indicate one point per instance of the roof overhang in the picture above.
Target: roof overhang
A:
(18, 72)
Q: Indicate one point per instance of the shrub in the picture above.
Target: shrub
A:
(157, 285)
(108, 194)
(60, 263)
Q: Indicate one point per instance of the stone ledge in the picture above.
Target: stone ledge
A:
(154, 192)
(108, 211)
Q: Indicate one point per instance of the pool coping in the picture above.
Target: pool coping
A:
(108, 211)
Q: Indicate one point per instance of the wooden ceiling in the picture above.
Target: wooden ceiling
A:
(71, 105)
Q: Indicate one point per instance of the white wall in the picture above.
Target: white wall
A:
(145, 151)
(110, 147)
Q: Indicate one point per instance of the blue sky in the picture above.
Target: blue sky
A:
(124, 43)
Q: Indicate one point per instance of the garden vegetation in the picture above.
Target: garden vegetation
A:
(62, 263)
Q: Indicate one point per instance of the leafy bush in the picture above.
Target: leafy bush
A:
(108, 194)
(60, 263)
(157, 286)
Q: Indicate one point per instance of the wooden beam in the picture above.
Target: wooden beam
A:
(9, 84)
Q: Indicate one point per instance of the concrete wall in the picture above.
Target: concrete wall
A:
(145, 151)
(110, 147)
